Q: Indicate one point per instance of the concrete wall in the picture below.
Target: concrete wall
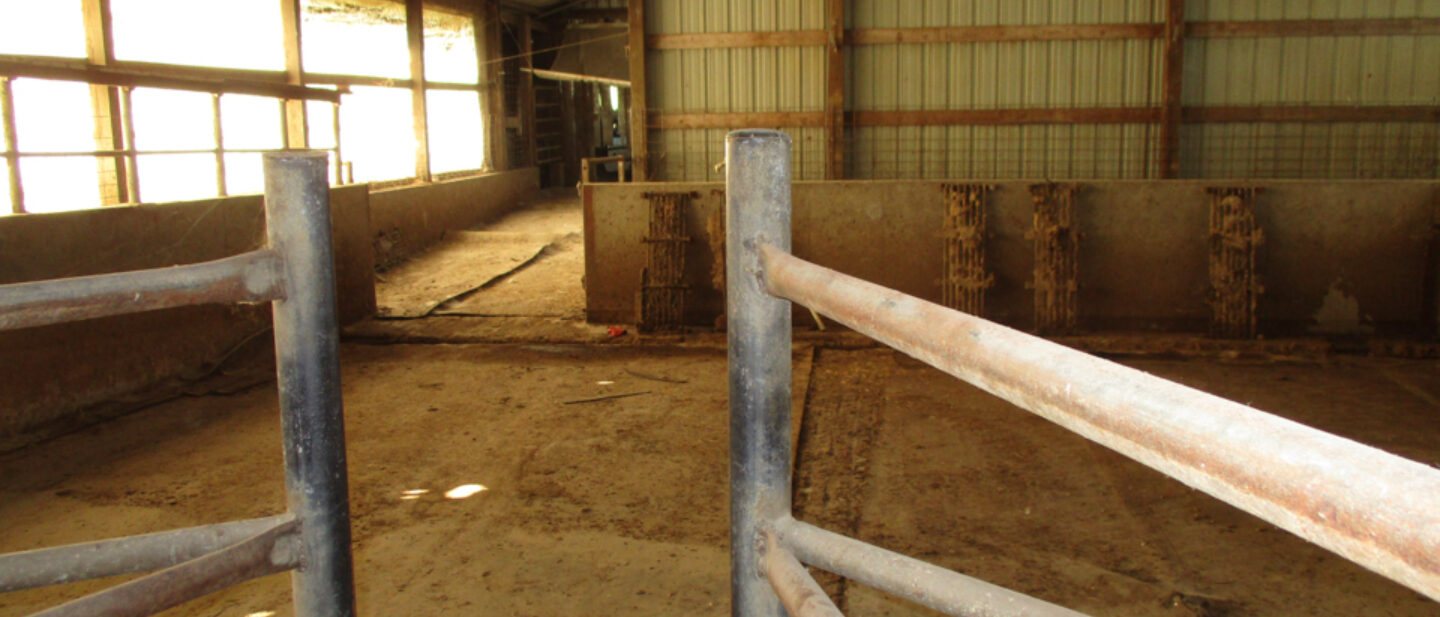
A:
(50, 376)
(408, 219)
(1143, 256)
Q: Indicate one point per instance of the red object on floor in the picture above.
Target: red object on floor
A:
(615, 331)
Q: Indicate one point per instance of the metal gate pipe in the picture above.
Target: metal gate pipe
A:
(247, 277)
(270, 551)
(1376, 509)
(799, 593)
(297, 205)
(757, 211)
(930, 585)
(140, 553)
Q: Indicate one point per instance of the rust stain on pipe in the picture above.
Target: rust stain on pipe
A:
(798, 591)
(1376, 509)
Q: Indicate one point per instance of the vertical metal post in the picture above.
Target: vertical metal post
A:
(132, 169)
(757, 211)
(219, 144)
(12, 145)
(297, 210)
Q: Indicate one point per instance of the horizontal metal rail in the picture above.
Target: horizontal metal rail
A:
(1374, 508)
(141, 553)
(907, 577)
(248, 277)
(273, 550)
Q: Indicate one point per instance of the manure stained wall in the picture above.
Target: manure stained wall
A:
(50, 376)
(1143, 252)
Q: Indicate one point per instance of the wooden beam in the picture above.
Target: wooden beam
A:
(767, 119)
(527, 95)
(297, 122)
(492, 85)
(1315, 27)
(7, 130)
(1078, 115)
(973, 34)
(219, 127)
(1311, 114)
(415, 36)
(1006, 117)
(835, 90)
(1047, 32)
(123, 76)
(709, 40)
(1172, 73)
(639, 112)
(105, 103)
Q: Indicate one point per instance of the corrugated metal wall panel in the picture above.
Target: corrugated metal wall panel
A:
(1002, 75)
(1373, 70)
(1312, 71)
(732, 80)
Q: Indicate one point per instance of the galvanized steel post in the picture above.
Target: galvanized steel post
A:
(757, 212)
(297, 206)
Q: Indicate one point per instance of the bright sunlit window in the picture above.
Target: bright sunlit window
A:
(237, 34)
(175, 130)
(55, 116)
(455, 130)
(345, 38)
(450, 48)
(376, 132)
(48, 28)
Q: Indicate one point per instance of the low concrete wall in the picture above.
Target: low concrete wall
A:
(52, 372)
(1143, 257)
(49, 375)
(408, 219)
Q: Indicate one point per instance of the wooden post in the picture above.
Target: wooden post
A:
(527, 95)
(297, 128)
(127, 123)
(105, 103)
(12, 146)
(219, 144)
(1174, 71)
(492, 85)
(639, 112)
(835, 91)
(415, 34)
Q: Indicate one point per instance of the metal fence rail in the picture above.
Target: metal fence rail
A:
(1376, 509)
(296, 271)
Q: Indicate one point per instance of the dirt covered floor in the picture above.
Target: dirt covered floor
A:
(619, 505)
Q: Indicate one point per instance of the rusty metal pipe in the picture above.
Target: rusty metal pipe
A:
(933, 586)
(274, 550)
(128, 555)
(799, 593)
(1376, 509)
(248, 277)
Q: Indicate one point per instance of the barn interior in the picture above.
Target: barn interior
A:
(527, 208)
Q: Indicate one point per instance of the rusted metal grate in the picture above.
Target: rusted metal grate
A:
(1056, 245)
(662, 295)
(1234, 283)
(966, 280)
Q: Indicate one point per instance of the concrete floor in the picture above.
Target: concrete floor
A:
(619, 506)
